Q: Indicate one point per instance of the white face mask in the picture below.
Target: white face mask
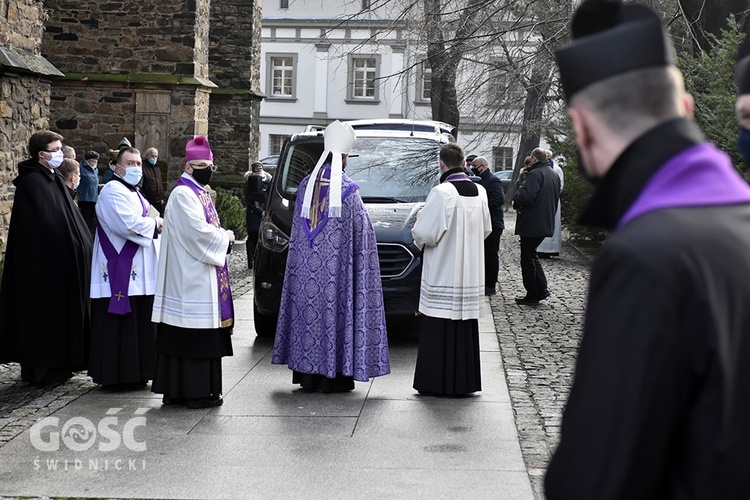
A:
(56, 160)
(76, 184)
(133, 175)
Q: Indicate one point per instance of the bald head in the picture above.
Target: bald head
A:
(480, 164)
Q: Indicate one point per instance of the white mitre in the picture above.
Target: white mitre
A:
(338, 139)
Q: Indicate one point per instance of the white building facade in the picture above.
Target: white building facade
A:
(325, 60)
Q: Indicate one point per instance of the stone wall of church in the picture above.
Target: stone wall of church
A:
(24, 105)
(24, 98)
(128, 37)
(133, 69)
(143, 70)
(234, 66)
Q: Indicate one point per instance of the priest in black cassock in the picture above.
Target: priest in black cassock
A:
(44, 296)
(661, 395)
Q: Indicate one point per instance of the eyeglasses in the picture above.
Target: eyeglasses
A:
(201, 166)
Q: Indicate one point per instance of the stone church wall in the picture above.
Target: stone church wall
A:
(133, 69)
(158, 73)
(24, 96)
(234, 65)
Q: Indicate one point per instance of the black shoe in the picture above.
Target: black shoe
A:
(194, 404)
(526, 301)
(489, 291)
(169, 400)
(544, 294)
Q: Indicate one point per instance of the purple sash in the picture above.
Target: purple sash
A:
(222, 273)
(119, 267)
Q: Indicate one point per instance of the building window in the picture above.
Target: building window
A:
(363, 76)
(284, 4)
(503, 158)
(506, 91)
(281, 76)
(275, 142)
(424, 82)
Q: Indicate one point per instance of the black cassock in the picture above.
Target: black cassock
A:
(44, 297)
(660, 400)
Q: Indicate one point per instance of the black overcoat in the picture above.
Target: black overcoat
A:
(536, 201)
(661, 395)
(44, 296)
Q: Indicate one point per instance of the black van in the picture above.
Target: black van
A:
(395, 163)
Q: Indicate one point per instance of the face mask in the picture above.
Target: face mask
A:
(56, 160)
(152, 161)
(133, 175)
(743, 141)
(76, 184)
(202, 175)
(475, 171)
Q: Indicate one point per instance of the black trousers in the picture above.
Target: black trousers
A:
(88, 210)
(491, 258)
(534, 280)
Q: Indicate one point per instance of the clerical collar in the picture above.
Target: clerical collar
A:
(454, 174)
(634, 167)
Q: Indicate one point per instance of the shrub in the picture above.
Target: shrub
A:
(576, 192)
(709, 77)
(231, 213)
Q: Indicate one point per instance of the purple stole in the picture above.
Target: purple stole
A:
(119, 267)
(701, 175)
(222, 273)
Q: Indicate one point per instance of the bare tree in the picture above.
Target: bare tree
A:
(490, 61)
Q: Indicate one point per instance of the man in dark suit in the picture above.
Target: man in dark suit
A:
(536, 202)
(496, 201)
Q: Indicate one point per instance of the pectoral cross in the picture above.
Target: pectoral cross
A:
(119, 295)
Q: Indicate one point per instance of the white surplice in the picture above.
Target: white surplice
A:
(187, 291)
(120, 213)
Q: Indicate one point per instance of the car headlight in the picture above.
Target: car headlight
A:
(272, 237)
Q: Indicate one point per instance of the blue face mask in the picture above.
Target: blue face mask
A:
(743, 141)
(133, 175)
(152, 161)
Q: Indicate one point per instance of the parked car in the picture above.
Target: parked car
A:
(269, 163)
(506, 177)
(395, 163)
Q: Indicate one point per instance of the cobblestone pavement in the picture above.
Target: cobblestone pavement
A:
(539, 346)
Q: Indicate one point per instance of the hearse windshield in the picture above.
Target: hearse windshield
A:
(387, 170)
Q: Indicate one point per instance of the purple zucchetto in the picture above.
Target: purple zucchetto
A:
(198, 149)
